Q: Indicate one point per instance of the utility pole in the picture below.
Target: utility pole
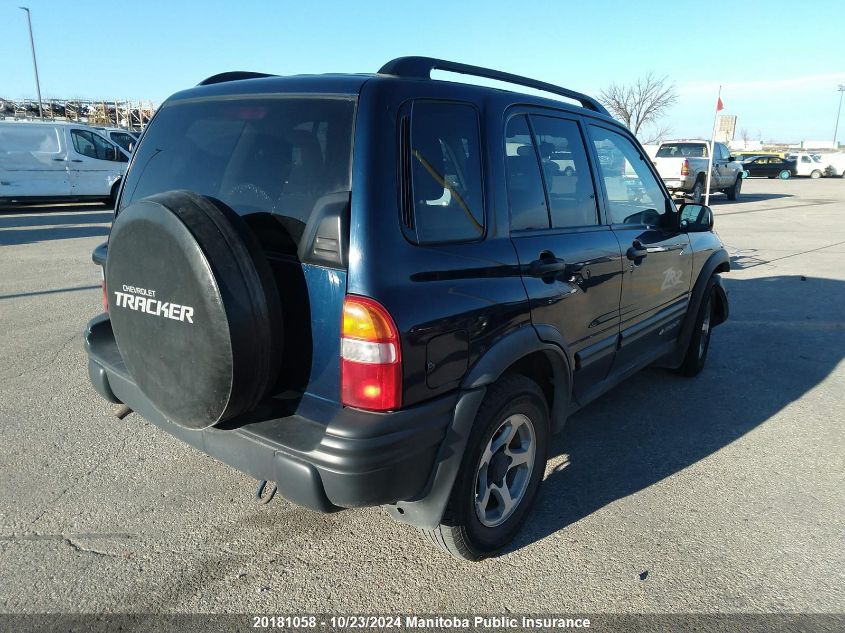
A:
(841, 89)
(35, 63)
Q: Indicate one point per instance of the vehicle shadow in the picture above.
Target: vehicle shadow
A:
(9, 221)
(657, 424)
(720, 199)
(21, 225)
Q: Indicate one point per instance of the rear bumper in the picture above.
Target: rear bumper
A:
(683, 183)
(321, 457)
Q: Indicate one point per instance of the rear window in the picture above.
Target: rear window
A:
(682, 150)
(258, 155)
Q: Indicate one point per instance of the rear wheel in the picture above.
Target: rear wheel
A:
(697, 192)
(784, 174)
(502, 468)
(699, 343)
(733, 192)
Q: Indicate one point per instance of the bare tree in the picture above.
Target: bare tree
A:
(641, 104)
(655, 134)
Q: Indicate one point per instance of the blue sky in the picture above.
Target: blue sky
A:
(779, 61)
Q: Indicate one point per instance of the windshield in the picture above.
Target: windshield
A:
(682, 150)
(257, 155)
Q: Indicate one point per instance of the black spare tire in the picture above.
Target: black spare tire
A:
(194, 307)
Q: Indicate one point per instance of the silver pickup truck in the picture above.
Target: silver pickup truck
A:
(683, 167)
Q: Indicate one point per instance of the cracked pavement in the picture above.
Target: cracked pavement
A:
(725, 493)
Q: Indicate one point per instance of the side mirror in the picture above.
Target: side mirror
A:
(111, 153)
(731, 159)
(695, 218)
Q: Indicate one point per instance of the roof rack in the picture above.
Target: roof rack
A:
(421, 67)
(234, 75)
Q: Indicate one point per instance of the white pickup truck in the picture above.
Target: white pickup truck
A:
(683, 167)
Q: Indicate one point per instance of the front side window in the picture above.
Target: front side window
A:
(445, 166)
(572, 198)
(633, 194)
(83, 143)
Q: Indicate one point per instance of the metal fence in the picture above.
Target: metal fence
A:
(132, 115)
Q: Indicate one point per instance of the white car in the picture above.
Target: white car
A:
(42, 162)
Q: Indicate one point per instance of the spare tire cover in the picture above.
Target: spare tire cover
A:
(194, 307)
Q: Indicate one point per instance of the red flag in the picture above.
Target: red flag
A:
(719, 104)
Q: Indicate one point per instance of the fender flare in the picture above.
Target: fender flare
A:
(719, 261)
(427, 510)
(518, 344)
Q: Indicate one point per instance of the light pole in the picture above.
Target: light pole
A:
(841, 89)
(35, 63)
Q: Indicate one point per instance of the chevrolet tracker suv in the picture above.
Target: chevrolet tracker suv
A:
(391, 290)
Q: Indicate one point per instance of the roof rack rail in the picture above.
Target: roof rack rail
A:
(421, 67)
(234, 75)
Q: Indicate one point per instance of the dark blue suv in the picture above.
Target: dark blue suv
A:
(391, 290)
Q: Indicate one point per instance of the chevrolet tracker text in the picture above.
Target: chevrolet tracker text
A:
(144, 301)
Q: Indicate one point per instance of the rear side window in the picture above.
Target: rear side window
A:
(257, 155)
(445, 173)
(569, 185)
(525, 186)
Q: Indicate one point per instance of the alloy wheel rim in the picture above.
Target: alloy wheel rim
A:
(504, 470)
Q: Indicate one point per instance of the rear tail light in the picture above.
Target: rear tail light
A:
(685, 168)
(370, 357)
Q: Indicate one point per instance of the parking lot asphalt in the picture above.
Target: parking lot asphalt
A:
(722, 493)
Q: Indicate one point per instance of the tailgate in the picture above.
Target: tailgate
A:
(669, 168)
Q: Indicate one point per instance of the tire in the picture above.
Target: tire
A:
(697, 192)
(699, 344)
(815, 174)
(111, 201)
(468, 530)
(733, 192)
(785, 174)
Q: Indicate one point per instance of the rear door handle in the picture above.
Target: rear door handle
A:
(637, 251)
(546, 266)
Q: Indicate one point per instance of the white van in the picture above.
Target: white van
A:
(42, 162)
(807, 164)
(125, 139)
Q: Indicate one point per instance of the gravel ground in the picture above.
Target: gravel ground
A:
(724, 493)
